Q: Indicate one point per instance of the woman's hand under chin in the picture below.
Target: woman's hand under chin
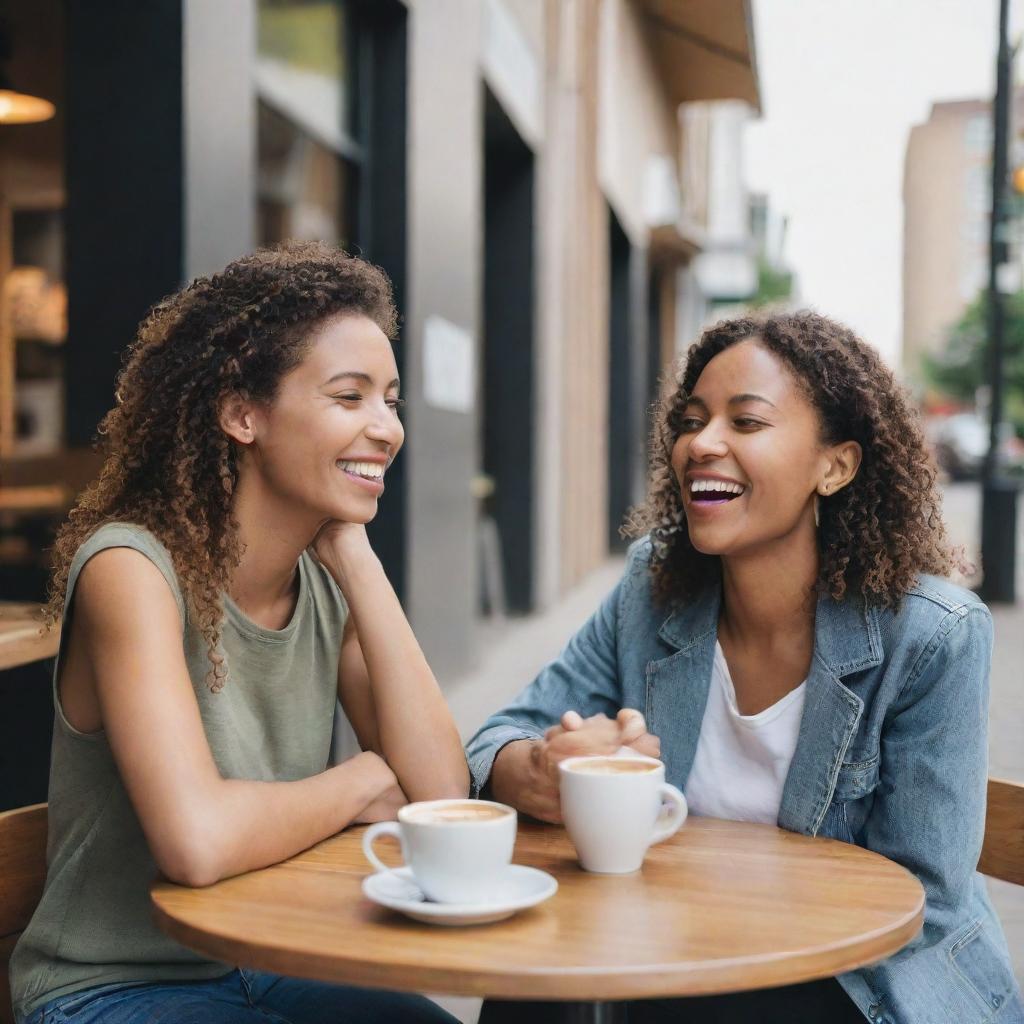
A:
(344, 548)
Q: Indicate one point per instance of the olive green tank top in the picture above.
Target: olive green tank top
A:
(271, 721)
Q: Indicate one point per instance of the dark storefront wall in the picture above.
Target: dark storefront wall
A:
(509, 402)
(125, 217)
(382, 222)
(628, 378)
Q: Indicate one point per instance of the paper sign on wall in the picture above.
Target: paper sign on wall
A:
(449, 377)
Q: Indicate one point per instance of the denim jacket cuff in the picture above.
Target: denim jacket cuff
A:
(486, 747)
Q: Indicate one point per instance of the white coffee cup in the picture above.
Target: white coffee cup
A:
(459, 851)
(615, 807)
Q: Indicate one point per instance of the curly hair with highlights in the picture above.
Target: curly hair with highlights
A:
(169, 466)
(877, 534)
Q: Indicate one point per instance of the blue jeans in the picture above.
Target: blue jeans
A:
(241, 997)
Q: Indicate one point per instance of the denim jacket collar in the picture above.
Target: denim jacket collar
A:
(847, 639)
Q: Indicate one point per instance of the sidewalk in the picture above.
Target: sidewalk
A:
(962, 509)
(523, 646)
(1006, 752)
(516, 652)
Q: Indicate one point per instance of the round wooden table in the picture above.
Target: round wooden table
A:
(721, 907)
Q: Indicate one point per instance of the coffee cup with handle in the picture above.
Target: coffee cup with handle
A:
(615, 807)
(459, 851)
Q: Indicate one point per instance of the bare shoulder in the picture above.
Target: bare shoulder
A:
(125, 616)
(120, 588)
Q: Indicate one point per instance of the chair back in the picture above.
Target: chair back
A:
(1002, 855)
(22, 874)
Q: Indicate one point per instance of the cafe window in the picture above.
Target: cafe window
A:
(36, 308)
(310, 161)
(32, 294)
(33, 297)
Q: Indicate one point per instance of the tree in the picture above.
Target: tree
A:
(774, 285)
(961, 367)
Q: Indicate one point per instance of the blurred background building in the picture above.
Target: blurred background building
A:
(947, 205)
(554, 186)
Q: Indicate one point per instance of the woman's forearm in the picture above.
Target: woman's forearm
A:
(417, 735)
(242, 825)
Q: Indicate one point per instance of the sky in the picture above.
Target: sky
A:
(842, 83)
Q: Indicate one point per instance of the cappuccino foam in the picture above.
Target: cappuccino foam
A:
(613, 766)
(468, 811)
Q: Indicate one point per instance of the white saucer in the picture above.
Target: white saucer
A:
(396, 890)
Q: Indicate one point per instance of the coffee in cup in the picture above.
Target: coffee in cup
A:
(614, 808)
(458, 851)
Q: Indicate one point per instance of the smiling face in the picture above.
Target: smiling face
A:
(749, 457)
(322, 447)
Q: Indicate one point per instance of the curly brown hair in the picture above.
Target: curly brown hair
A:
(169, 467)
(878, 533)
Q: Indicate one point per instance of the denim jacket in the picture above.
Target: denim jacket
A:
(891, 755)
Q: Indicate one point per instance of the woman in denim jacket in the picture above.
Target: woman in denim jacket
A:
(782, 639)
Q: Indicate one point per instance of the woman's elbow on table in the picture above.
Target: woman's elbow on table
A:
(191, 848)
(190, 861)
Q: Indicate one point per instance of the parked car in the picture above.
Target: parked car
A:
(961, 444)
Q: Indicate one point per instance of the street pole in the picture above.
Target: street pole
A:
(999, 495)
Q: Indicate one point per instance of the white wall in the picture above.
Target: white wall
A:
(728, 266)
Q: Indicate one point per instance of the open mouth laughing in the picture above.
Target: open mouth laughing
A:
(706, 492)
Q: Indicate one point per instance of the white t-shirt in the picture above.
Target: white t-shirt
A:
(742, 760)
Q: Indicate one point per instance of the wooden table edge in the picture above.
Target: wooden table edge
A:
(28, 642)
(649, 981)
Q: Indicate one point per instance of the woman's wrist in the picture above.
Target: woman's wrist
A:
(378, 776)
(511, 772)
(350, 568)
(346, 553)
(519, 778)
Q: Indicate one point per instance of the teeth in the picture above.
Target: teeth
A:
(373, 470)
(715, 486)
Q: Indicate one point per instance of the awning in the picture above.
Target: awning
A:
(704, 48)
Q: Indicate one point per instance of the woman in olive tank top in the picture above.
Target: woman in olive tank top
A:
(218, 596)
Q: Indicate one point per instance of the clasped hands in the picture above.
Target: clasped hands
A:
(528, 778)
(525, 773)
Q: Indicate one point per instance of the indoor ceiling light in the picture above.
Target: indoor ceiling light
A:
(20, 108)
